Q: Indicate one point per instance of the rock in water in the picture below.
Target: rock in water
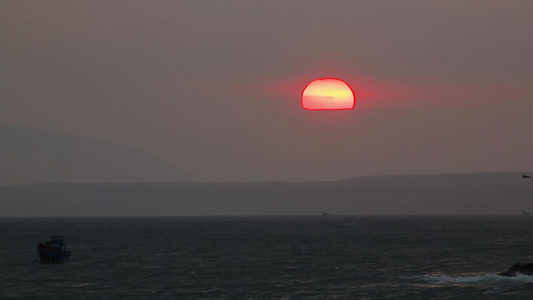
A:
(518, 269)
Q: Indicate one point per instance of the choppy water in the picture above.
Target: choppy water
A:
(330, 257)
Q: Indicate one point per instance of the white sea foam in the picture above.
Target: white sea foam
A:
(483, 279)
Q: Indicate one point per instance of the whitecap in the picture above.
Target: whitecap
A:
(481, 279)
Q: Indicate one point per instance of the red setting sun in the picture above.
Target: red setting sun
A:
(328, 94)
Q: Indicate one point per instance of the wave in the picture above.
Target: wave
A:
(482, 279)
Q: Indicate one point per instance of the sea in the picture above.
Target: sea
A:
(269, 257)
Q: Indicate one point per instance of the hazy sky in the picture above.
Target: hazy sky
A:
(214, 86)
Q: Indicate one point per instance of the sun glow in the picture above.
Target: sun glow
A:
(328, 94)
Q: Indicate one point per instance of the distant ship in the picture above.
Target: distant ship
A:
(54, 250)
(526, 212)
(325, 214)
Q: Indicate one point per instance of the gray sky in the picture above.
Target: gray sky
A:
(214, 86)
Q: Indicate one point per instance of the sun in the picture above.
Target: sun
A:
(328, 94)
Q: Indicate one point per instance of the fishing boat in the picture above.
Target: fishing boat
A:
(54, 250)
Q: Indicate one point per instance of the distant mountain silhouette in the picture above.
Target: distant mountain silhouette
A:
(29, 155)
(440, 179)
(491, 193)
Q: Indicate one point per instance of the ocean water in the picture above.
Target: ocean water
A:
(298, 257)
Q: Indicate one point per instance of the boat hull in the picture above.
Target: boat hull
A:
(49, 255)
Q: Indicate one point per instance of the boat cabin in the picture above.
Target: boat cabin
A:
(57, 242)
